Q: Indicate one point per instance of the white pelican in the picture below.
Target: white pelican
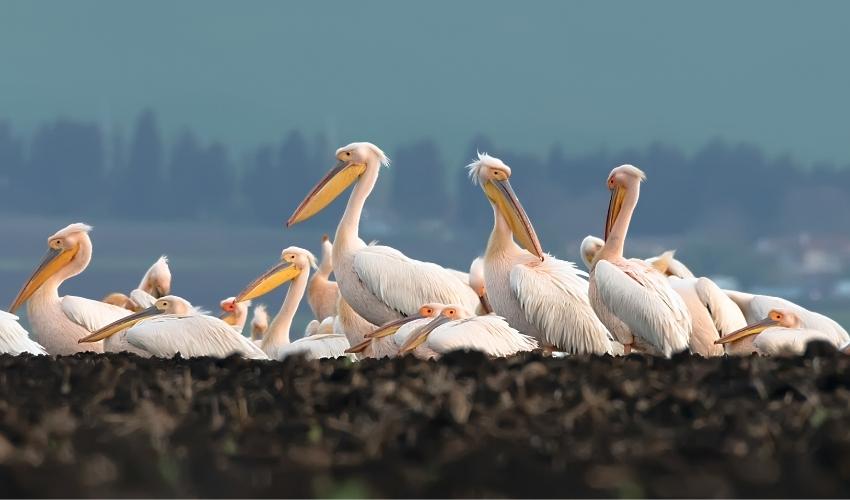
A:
(118, 299)
(234, 313)
(456, 328)
(666, 262)
(633, 299)
(294, 266)
(380, 283)
(476, 282)
(780, 332)
(259, 323)
(155, 283)
(59, 322)
(173, 326)
(386, 340)
(14, 339)
(322, 293)
(536, 293)
(357, 330)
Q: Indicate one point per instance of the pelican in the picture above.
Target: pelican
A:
(713, 314)
(234, 313)
(456, 328)
(173, 326)
(14, 339)
(321, 291)
(780, 332)
(536, 293)
(380, 283)
(476, 281)
(259, 323)
(294, 266)
(357, 331)
(59, 322)
(155, 283)
(666, 262)
(634, 300)
(386, 340)
(118, 299)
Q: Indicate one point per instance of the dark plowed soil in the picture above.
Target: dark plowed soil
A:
(118, 425)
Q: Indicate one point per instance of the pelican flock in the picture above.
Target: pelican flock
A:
(373, 301)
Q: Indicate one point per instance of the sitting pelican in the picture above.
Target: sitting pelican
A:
(59, 322)
(259, 323)
(234, 313)
(386, 340)
(633, 299)
(173, 326)
(380, 283)
(155, 283)
(294, 266)
(780, 332)
(536, 293)
(456, 328)
(476, 281)
(14, 339)
(713, 314)
(666, 262)
(357, 331)
(321, 291)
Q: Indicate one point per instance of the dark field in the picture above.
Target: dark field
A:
(117, 425)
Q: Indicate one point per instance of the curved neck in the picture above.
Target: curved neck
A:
(326, 264)
(501, 238)
(277, 334)
(613, 247)
(349, 226)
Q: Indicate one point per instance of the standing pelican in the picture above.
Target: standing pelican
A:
(634, 300)
(380, 283)
(294, 266)
(14, 339)
(476, 281)
(173, 326)
(321, 291)
(456, 328)
(666, 262)
(780, 332)
(536, 293)
(59, 322)
(259, 323)
(234, 313)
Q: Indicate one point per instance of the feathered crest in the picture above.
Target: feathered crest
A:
(485, 160)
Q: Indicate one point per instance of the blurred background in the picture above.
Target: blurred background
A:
(194, 128)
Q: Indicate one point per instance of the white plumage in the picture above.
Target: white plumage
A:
(14, 339)
(191, 336)
(316, 346)
(781, 332)
(713, 314)
(94, 315)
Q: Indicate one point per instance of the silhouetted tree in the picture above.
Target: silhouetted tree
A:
(141, 187)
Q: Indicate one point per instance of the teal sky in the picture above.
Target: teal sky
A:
(527, 74)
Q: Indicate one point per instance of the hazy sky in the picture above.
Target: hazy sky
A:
(527, 74)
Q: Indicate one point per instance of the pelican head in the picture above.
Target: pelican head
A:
(450, 312)
(352, 161)
(293, 262)
(493, 176)
(170, 304)
(157, 281)
(622, 179)
(776, 317)
(232, 310)
(590, 247)
(387, 329)
(68, 254)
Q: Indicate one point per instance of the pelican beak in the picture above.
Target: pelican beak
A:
(332, 185)
(748, 330)
(268, 281)
(618, 194)
(55, 260)
(390, 328)
(419, 336)
(229, 318)
(362, 346)
(485, 304)
(502, 195)
(121, 324)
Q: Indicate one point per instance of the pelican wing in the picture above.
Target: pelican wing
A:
(644, 300)
(404, 284)
(490, 334)
(790, 341)
(553, 297)
(191, 336)
(14, 339)
(142, 298)
(317, 346)
(726, 315)
(91, 314)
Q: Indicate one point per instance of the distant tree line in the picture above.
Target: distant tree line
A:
(723, 189)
